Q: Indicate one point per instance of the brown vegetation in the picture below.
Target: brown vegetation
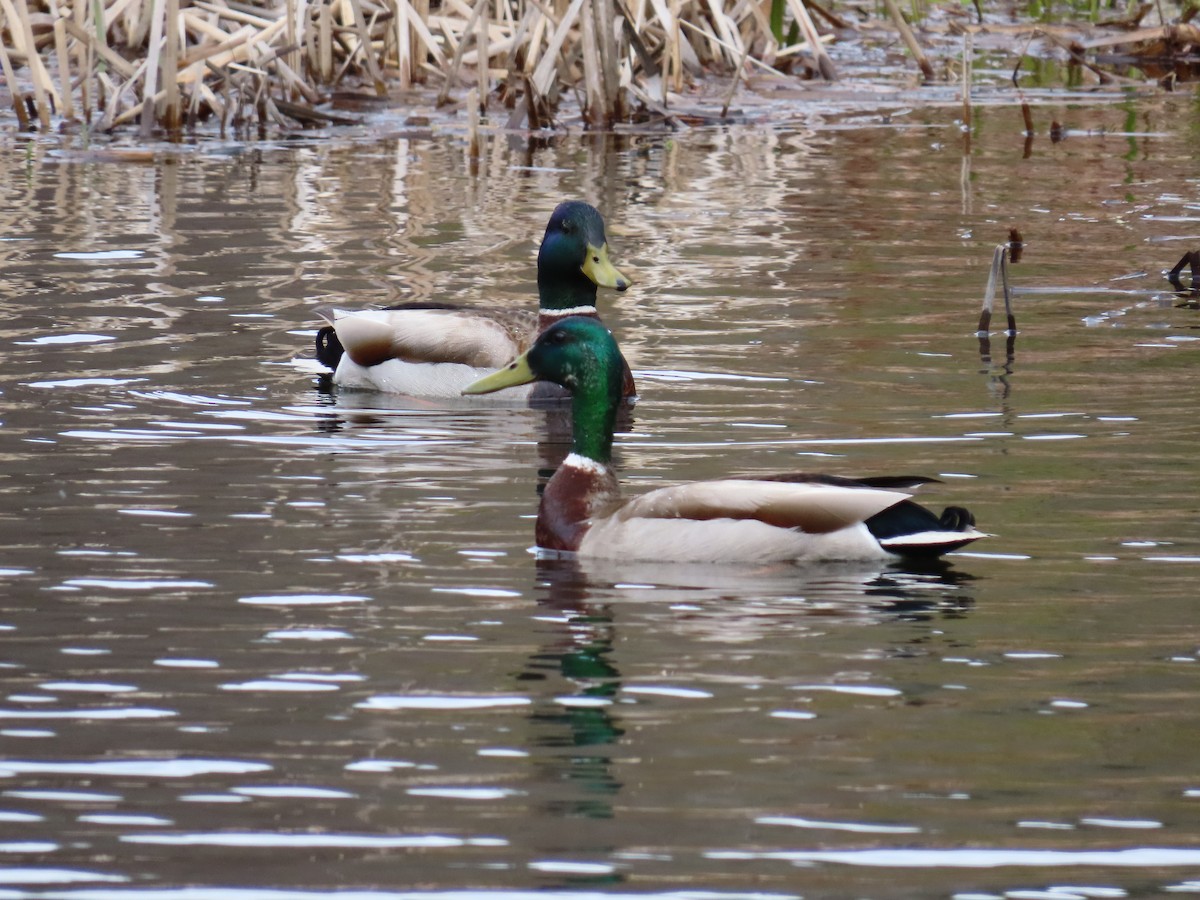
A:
(171, 63)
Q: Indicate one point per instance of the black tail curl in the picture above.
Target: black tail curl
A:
(956, 518)
(329, 348)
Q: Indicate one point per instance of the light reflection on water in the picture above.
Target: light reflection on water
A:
(265, 640)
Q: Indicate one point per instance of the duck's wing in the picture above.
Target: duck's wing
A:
(434, 333)
(811, 507)
(883, 482)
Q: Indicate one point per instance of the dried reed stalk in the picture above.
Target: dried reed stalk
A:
(43, 89)
(968, 60)
(151, 82)
(910, 39)
(452, 72)
(64, 68)
(247, 61)
(18, 97)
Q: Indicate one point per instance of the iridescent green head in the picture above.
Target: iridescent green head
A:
(580, 354)
(573, 259)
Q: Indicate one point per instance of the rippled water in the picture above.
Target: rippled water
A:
(264, 640)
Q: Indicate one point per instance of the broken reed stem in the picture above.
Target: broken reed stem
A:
(481, 63)
(244, 58)
(749, 59)
(18, 98)
(737, 76)
(43, 90)
(606, 24)
(404, 36)
(968, 62)
(64, 68)
(594, 105)
(173, 114)
(816, 48)
(473, 125)
(151, 83)
(998, 271)
(452, 72)
(910, 39)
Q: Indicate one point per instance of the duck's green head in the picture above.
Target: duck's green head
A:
(573, 259)
(577, 352)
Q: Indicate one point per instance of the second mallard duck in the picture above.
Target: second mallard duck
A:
(430, 349)
(791, 517)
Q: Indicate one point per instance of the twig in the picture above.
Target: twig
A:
(910, 39)
(452, 72)
(999, 269)
(18, 96)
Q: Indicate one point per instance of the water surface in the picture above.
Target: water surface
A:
(263, 639)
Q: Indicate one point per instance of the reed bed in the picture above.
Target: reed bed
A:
(165, 65)
(169, 63)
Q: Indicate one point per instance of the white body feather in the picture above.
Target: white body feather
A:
(409, 349)
(725, 541)
(441, 380)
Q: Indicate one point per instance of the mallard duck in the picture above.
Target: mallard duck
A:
(433, 349)
(797, 517)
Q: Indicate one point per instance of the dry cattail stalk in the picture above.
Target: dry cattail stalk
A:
(242, 63)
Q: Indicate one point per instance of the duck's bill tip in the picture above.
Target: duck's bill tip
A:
(515, 373)
(599, 268)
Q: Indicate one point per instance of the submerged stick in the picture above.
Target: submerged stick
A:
(968, 60)
(737, 76)
(1191, 259)
(473, 124)
(999, 271)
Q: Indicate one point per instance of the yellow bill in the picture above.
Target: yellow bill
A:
(515, 373)
(598, 268)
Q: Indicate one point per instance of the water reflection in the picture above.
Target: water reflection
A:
(853, 589)
(573, 726)
(273, 642)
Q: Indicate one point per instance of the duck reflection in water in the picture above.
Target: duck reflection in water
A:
(577, 729)
(574, 735)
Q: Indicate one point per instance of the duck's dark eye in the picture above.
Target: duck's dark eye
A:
(595, 259)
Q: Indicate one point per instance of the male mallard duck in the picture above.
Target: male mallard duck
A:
(431, 349)
(802, 518)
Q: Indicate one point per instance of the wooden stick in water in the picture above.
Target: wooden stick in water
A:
(64, 68)
(968, 61)
(452, 72)
(594, 108)
(999, 271)
(150, 86)
(43, 89)
(809, 29)
(481, 65)
(173, 113)
(910, 39)
(18, 96)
